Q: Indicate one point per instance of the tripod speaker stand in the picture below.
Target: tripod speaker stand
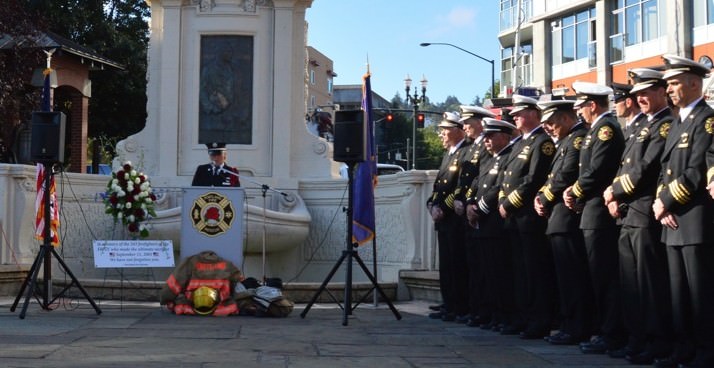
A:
(45, 256)
(349, 254)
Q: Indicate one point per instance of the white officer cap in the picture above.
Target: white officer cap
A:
(645, 78)
(468, 112)
(521, 103)
(491, 125)
(676, 65)
(586, 91)
(548, 108)
(451, 120)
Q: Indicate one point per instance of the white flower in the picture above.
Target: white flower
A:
(130, 218)
(148, 200)
(120, 193)
(137, 181)
(115, 182)
(133, 172)
(128, 205)
(126, 176)
(120, 215)
(143, 206)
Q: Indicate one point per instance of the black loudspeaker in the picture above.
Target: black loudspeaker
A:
(48, 129)
(350, 136)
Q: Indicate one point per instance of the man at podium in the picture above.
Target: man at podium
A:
(216, 173)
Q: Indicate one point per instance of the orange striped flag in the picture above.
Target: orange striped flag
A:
(40, 208)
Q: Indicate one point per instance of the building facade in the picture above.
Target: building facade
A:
(548, 44)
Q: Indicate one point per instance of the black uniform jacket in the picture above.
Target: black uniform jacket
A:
(204, 177)
(634, 127)
(599, 160)
(682, 185)
(484, 194)
(446, 183)
(563, 173)
(474, 156)
(525, 173)
(636, 182)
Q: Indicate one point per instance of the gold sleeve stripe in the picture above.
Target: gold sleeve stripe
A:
(659, 189)
(501, 194)
(450, 201)
(627, 184)
(680, 194)
(515, 199)
(469, 193)
(548, 194)
(577, 190)
(710, 174)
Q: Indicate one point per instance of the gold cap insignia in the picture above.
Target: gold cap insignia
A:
(664, 129)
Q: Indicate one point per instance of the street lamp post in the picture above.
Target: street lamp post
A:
(415, 100)
(493, 76)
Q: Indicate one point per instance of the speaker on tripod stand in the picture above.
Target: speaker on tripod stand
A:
(350, 147)
(47, 149)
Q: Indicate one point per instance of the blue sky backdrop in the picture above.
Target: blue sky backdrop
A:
(390, 31)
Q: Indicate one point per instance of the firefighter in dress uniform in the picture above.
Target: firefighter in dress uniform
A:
(643, 263)
(566, 239)
(685, 210)
(217, 173)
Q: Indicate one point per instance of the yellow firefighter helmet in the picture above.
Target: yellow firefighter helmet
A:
(205, 300)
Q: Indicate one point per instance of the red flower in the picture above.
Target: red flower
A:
(127, 167)
(133, 227)
(113, 199)
(152, 196)
(120, 175)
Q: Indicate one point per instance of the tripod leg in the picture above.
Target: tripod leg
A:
(33, 283)
(376, 285)
(348, 287)
(324, 284)
(76, 282)
(33, 269)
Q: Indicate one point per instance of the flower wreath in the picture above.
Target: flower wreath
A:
(129, 198)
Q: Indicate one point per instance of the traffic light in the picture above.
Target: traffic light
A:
(420, 120)
(389, 117)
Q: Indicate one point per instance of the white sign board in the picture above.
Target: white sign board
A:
(133, 253)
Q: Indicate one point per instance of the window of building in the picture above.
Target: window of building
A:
(635, 22)
(509, 13)
(573, 36)
(313, 101)
(312, 77)
(329, 86)
(703, 12)
(525, 68)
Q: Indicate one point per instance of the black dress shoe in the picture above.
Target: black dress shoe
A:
(562, 338)
(436, 308)
(436, 315)
(462, 319)
(448, 317)
(643, 358)
(597, 346)
(622, 352)
(511, 330)
(668, 362)
(532, 334)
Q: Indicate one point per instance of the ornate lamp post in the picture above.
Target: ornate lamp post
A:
(415, 100)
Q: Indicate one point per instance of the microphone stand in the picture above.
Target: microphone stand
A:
(264, 189)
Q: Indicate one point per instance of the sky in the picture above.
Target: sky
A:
(389, 32)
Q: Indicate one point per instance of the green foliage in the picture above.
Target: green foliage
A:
(18, 59)
(117, 30)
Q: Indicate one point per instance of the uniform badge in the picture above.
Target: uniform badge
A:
(524, 153)
(605, 133)
(548, 148)
(577, 143)
(588, 139)
(643, 134)
(664, 130)
(709, 125)
(453, 168)
(683, 141)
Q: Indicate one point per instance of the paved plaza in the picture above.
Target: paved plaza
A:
(133, 334)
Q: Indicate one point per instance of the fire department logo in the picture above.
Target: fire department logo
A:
(605, 133)
(212, 214)
(664, 130)
(577, 143)
(709, 125)
(548, 148)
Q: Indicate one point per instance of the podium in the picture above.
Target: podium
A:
(212, 219)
